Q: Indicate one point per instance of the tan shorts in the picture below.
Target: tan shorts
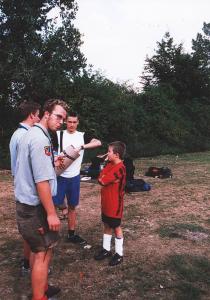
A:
(30, 219)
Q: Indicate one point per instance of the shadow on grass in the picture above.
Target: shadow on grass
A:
(181, 277)
(193, 274)
(183, 230)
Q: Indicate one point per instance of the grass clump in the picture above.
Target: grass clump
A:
(174, 230)
(193, 274)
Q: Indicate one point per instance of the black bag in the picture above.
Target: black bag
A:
(137, 185)
(94, 169)
(130, 168)
(155, 172)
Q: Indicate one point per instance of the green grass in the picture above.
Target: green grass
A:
(186, 291)
(192, 269)
(170, 160)
(193, 274)
(5, 177)
(170, 230)
(131, 211)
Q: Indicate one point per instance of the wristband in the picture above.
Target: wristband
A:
(82, 147)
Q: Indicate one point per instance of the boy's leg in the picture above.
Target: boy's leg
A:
(118, 256)
(118, 240)
(107, 237)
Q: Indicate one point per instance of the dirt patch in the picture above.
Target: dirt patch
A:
(166, 233)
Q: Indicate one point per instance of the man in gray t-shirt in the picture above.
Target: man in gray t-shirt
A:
(29, 113)
(35, 184)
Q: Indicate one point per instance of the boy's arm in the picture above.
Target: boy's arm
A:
(110, 177)
(44, 193)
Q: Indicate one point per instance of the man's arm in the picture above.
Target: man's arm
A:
(44, 193)
(94, 143)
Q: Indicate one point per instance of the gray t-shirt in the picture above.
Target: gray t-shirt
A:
(34, 164)
(14, 144)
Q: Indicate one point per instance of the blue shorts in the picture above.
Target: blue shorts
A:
(69, 187)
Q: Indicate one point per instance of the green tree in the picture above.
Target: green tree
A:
(38, 58)
(201, 55)
(172, 66)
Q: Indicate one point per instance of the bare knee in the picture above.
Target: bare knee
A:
(118, 232)
(42, 257)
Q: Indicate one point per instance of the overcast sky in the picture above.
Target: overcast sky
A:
(118, 34)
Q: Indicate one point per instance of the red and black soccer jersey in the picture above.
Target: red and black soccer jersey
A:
(112, 178)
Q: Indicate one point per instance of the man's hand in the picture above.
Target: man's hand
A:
(53, 222)
(59, 162)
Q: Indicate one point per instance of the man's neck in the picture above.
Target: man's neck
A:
(43, 123)
(27, 122)
(70, 132)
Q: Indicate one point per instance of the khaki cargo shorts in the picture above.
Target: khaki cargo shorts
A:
(33, 226)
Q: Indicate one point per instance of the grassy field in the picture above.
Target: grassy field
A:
(166, 233)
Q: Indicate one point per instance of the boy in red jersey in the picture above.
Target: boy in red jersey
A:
(112, 178)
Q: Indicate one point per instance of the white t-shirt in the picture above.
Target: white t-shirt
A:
(75, 139)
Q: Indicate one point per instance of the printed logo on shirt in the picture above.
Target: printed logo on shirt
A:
(47, 150)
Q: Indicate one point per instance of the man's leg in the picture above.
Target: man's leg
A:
(25, 265)
(59, 199)
(39, 274)
(72, 194)
(72, 237)
(71, 218)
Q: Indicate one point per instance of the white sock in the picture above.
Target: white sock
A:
(119, 246)
(107, 241)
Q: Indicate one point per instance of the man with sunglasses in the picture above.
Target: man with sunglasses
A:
(69, 180)
(35, 185)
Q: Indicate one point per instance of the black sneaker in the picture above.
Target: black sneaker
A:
(116, 260)
(76, 239)
(102, 254)
(52, 291)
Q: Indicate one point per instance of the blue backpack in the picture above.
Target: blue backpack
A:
(137, 185)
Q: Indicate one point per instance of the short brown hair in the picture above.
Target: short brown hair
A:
(50, 104)
(28, 107)
(118, 147)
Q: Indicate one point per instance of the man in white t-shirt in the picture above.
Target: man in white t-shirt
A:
(69, 180)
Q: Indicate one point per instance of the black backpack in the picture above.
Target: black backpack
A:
(137, 185)
(130, 168)
(163, 172)
(94, 169)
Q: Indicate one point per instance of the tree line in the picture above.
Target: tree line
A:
(40, 59)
